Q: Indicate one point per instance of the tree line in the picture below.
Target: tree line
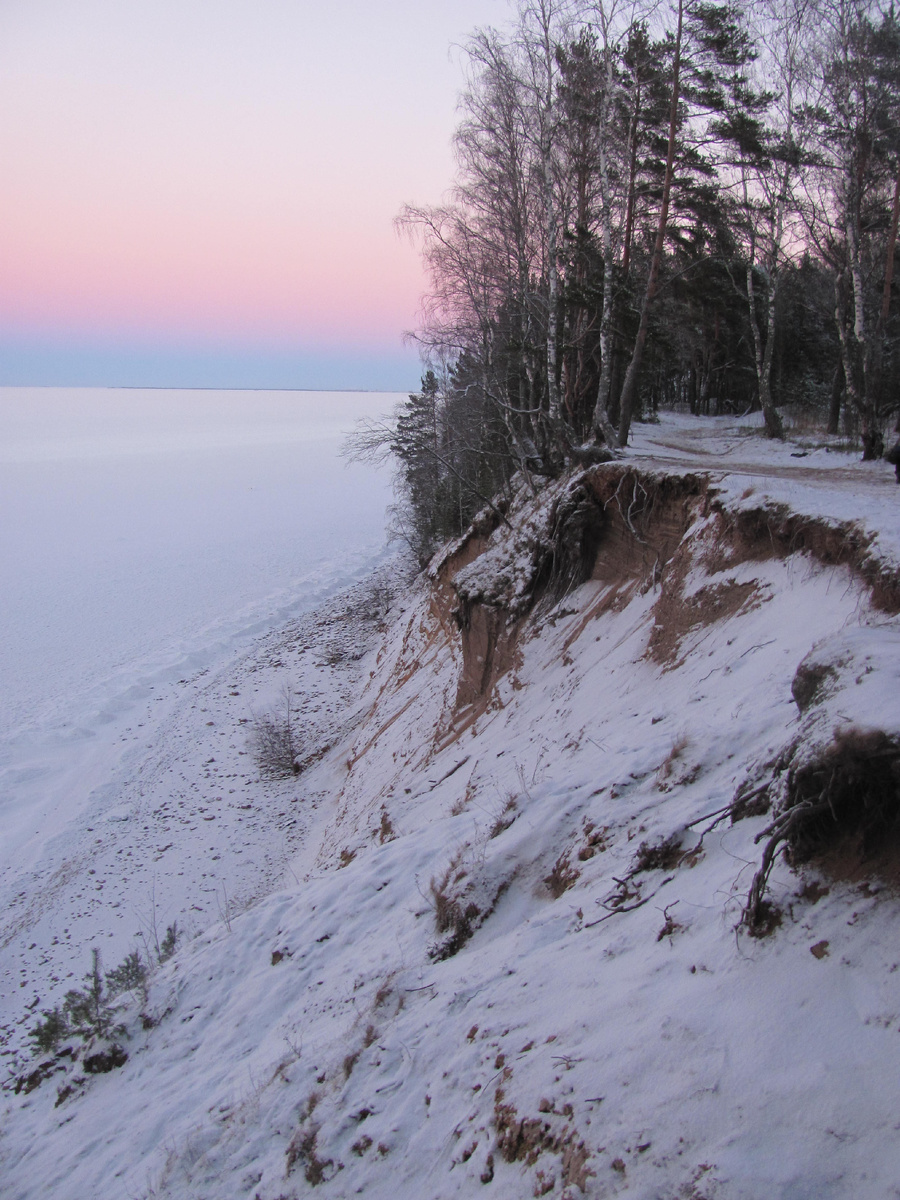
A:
(690, 205)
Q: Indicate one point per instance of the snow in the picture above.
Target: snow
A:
(150, 538)
(625, 1038)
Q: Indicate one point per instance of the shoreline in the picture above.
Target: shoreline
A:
(183, 827)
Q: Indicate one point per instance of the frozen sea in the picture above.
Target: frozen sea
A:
(145, 534)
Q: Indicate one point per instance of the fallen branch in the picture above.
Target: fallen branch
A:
(614, 912)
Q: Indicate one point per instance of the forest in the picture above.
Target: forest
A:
(690, 206)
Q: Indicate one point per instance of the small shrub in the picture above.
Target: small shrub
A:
(27, 1083)
(460, 931)
(842, 808)
(451, 916)
(129, 976)
(89, 1012)
(275, 741)
(463, 898)
(169, 942)
(47, 1034)
(302, 1149)
(105, 1060)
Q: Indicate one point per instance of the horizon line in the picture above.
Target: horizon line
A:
(138, 387)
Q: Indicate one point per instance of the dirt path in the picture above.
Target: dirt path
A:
(729, 446)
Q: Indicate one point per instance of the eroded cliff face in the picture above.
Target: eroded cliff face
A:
(608, 523)
(630, 530)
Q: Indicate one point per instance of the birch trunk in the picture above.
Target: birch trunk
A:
(601, 423)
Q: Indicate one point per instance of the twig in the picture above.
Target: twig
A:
(226, 915)
(616, 911)
(452, 771)
(760, 646)
(719, 812)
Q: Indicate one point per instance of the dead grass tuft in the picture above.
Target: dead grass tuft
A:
(302, 1149)
(562, 876)
(350, 1062)
(594, 841)
(275, 739)
(667, 766)
(662, 855)
(452, 916)
(526, 1139)
(505, 817)
(386, 832)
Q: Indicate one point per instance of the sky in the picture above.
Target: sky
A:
(201, 193)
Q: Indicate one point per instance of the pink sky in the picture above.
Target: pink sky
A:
(218, 173)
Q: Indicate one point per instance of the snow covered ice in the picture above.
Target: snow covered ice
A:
(550, 773)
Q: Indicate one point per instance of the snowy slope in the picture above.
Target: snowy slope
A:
(550, 783)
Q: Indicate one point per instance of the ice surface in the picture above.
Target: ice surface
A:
(146, 535)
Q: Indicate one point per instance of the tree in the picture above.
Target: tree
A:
(89, 1012)
(416, 444)
(854, 196)
(629, 387)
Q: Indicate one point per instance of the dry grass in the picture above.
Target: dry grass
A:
(452, 917)
(667, 766)
(594, 841)
(504, 817)
(386, 831)
(562, 876)
(662, 855)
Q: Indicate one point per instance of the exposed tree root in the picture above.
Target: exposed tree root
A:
(841, 807)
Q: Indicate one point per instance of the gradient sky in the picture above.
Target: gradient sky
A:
(202, 192)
